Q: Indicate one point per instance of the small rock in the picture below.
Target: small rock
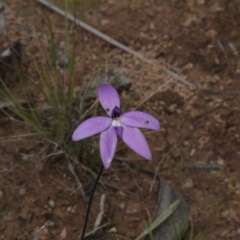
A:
(112, 230)
(188, 183)
(220, 161)
(111, 2)
(194, 114)
(211, 33)
(51, 203)
(63, 234)
(21, 27)
(117, 76)
(224, 232)
(103, 9)
(10, 59)
(238, 231)
(150, 13)
(1, 194)
(171, 108)
(22, 191)
(104, 22)
(71, 209)
(61, 58)
(45, 231)
(189, 66)
(122, 206)
(192, 152)
(51, 223)
(200, 2)
(152, 26)
(191, 18)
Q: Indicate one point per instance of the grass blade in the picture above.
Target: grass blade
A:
(160, 219)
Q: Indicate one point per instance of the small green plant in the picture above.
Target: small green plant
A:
(159, 220)
(57, 114)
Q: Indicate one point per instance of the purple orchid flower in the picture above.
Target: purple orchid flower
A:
(117, 124)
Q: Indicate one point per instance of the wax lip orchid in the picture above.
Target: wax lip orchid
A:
(124, 125)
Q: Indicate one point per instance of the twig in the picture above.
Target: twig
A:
(68, 188)
(11, 104)
(94, 31)
(217, 91)
(221, 47)
(119, 188)
(38, 178)
(100, 214)
(19, 136)
(203, 166)
(179, 78)
(40, 231)
(51, 154)
(233, 48)
(95, 230)
(70, 167)
(111, 40)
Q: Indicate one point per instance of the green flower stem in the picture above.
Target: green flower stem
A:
(90, 202)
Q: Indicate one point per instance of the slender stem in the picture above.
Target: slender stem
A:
(90, 202)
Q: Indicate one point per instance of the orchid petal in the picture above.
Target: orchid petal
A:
(108, 98)
(90, 127)
(119, 131)
(136, 141)
(140, 120)
(108, 144)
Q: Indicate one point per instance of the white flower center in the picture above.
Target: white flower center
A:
(116, 122)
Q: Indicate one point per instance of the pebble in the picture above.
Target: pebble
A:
(1, 194)
(51, 203)
(62, 59)
(188, 183)
(211, 33)
(63, 234)
(200, 2)
(152, 26)
(71, 209)
(220, 162)
(189, 66)
(51, 223)
(21, 27)
(238, 231)
(22, 191)
(171, 108)
(122, 205)
(192, 152)
(45, 231)
(112, 230)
